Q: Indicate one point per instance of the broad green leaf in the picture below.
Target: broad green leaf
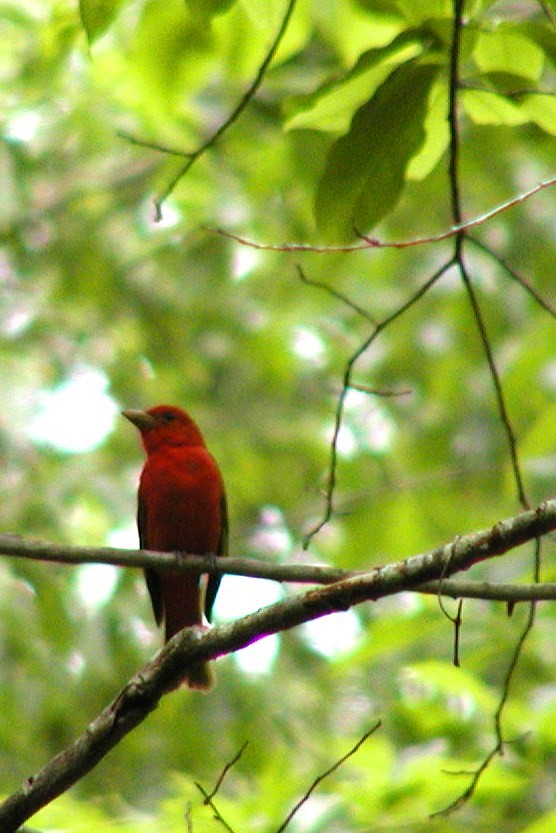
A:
(485, 107)
(502, 51)
(355, 30)
(365, 170)
(541, 109)
(436, 131)
(332, 108)
(97, 15)
(541, 35)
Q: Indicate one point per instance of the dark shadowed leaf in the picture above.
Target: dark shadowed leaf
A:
(365, 170)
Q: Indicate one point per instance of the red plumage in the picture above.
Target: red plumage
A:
(182, 507)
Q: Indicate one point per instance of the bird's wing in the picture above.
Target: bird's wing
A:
(152, 579)
(214, 581)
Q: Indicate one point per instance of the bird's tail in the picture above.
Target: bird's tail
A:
(200, 676)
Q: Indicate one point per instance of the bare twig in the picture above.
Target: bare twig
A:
(503, 413)
(519, 279)
(470, 789)
(495, 376)
(225, 771)
(336, 294)
(207, 800)
(320, 778)
(510, 593)
(500, 741)
(347, 384)
(374, 243)
(193, 156)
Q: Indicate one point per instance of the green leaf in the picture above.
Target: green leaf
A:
(542, 36)
(365, 170)
(332, 107)
(541, 109)
(503, 51)
(485, 107)
(97, 15)
(437, 134)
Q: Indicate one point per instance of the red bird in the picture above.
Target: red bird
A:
(182, 507)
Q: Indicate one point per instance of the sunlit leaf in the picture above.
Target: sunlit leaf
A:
(332, 108)
(491, 108)
(502, 51)
(541, 109)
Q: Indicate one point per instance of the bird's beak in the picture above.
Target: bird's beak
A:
(141, 419)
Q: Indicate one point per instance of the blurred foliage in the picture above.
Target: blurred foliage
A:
(103, 308)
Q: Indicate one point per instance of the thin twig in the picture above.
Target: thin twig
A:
(225, 771)
(336, 294)
(470, 789)
(207, 800)
(234, 115)
(498, 389)
(519, 279)
(374, 243)
(454, 174)
(347, 384)
(320, 778)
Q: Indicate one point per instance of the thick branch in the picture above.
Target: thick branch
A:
(142, 694)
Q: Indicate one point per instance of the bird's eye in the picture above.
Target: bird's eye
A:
(168, 416)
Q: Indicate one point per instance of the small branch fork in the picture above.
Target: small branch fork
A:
(208, 798)
(193, 156)
(142, 693)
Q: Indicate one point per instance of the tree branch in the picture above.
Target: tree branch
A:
(517, 530)
(143, 692)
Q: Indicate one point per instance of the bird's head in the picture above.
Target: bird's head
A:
(165, 425)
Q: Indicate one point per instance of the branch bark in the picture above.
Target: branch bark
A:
(519, 529)
(143, 692)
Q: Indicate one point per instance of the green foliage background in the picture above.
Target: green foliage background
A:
(348, 131)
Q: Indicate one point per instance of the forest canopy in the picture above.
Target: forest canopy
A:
(326, 230)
